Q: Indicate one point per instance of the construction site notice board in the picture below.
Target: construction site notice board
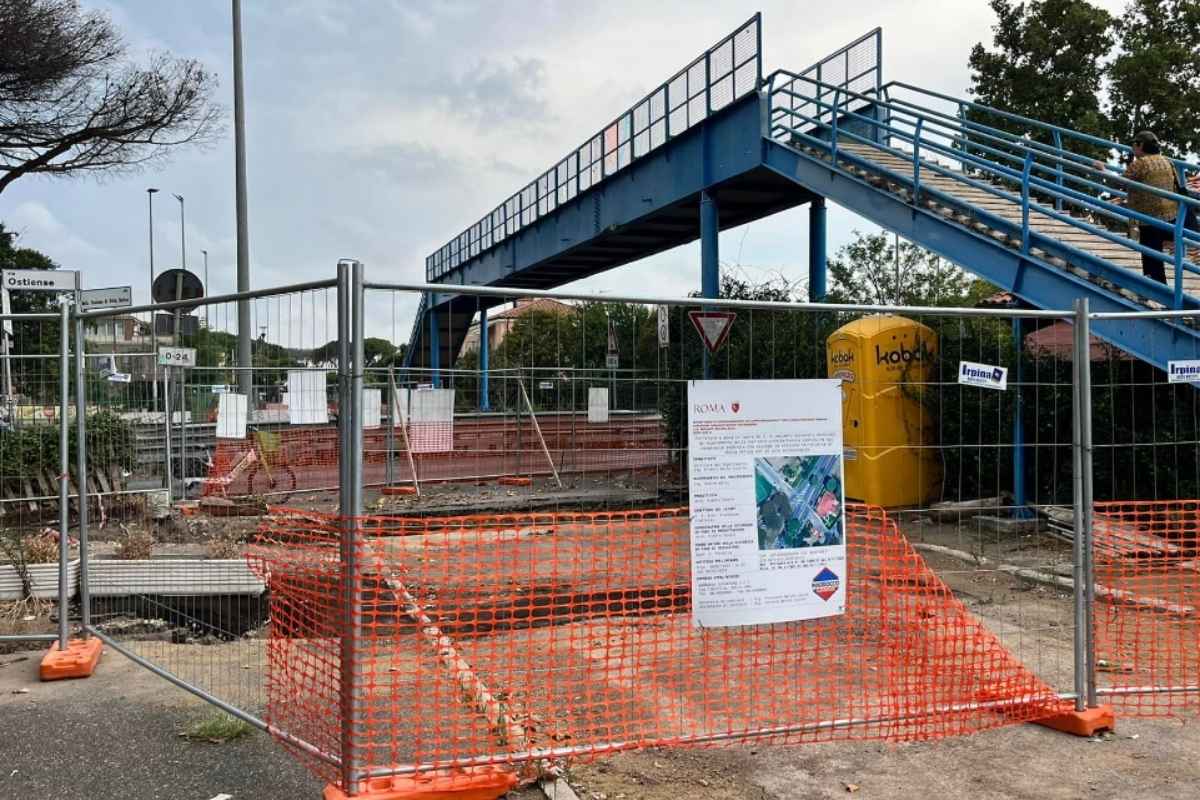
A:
(767, 507)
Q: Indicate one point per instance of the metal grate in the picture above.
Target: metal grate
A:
(729, 70)
(855, 68)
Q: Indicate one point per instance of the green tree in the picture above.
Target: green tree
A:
(1155, 80)
(865, 272)
(378, 353)
(35, 379)
(1046, 62)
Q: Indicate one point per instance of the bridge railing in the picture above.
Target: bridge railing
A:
(1040, 179)
(725, 72)
(854, 68)
(1063, 138)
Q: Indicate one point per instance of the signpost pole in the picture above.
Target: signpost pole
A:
(6, 330)
(167, 426)
(81, 459)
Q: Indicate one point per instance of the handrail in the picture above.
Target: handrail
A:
(952, 124)
(1048, 126)
(1094, 204)
(957, 132)
(1024, 144)
(1106, 270)
(1087, 201)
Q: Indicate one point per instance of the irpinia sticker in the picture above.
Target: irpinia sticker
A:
(986, 376)
(1183, 371)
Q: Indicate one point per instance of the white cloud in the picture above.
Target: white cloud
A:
(41, 230)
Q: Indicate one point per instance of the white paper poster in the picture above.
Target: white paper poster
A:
(372, 407)
(597, 405)
(767, 521)
(431, 420)
(400, 400)
(231, 416)
(307, 400)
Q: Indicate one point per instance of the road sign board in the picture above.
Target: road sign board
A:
(112, 297)
(177, 284)
(545, 384)
(713, 327)
(39, 280)
(664, 326)
(177, 356)
(612, 361)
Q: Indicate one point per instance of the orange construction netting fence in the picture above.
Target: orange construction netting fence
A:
(481, 448)
(514, 639)
(1147, 569)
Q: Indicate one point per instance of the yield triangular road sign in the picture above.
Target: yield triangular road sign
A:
(713, 327)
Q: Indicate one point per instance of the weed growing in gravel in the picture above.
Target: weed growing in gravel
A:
(217, 727)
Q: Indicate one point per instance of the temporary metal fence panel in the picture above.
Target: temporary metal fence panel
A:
(169, 582)
(562, 628)
(520, 593)
(1146, 529)
(39, 484)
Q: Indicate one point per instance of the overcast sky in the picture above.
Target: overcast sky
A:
(378, 129)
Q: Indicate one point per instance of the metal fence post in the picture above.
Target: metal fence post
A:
(350, 359)
(64, 472)
(1078, 559)
(1084, 351)
(81, 464)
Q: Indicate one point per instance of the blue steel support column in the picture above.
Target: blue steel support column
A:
(1019, 509)
(435, 346)
(710, 267)
(816, 250)
(484, 403)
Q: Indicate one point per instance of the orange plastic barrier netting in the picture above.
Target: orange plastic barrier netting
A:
(484, 638)
(483, 448)
(1147, 631)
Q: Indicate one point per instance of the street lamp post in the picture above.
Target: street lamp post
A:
(182, 235)
(150, 199)
(150, 192)
(207, 288)
(245, 375)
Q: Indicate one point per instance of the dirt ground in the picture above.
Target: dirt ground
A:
(1143, 760)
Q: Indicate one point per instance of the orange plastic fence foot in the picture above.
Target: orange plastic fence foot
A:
(395, 490)
(475, 783)
(77, 661)
(514, 480)
(1082, 723)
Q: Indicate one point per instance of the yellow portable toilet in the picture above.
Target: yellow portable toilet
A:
(884, 363)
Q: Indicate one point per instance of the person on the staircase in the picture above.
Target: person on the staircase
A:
(1150, 167)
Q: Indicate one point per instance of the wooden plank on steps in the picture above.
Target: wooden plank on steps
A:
(115, 479)
(103, 481)
(33, 506)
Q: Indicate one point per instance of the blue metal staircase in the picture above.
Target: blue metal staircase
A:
(1017, 202)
